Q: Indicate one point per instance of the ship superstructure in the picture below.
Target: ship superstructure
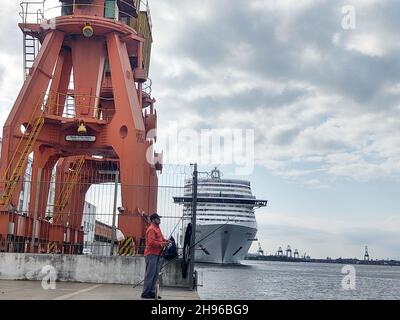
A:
(226, 223)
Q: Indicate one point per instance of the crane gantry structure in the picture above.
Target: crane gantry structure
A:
(104, 47)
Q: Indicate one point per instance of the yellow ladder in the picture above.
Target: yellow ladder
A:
(66, 192)
(18, 170)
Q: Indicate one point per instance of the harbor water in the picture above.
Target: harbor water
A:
(267, 280)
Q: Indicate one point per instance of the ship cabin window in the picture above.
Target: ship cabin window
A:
(111, 10)
(128, 8)
(134, 62)
(124, 19)
(66, 8)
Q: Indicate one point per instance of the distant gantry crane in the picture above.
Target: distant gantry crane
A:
(366, 254)
(288, 252)
(260, 250)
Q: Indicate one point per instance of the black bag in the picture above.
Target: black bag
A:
(171, 251)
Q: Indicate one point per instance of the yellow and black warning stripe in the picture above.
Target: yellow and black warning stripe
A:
(51, 247)
(126, 247)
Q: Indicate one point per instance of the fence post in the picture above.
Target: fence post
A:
(193, 239)
(113, 236)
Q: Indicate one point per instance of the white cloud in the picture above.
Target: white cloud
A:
(367, 44)
(311, 55)
(393, 89)
(283, 5)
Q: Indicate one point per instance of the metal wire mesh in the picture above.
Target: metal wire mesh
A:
(83, 198)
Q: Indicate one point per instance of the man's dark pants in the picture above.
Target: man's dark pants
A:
(151, 275)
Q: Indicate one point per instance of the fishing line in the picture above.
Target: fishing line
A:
(190, 248)
(211, 233)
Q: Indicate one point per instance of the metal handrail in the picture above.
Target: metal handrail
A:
(147, 86)
(39, 12)
(54, 107)
(43, 11)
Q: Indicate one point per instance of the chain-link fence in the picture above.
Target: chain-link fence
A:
(77, 201)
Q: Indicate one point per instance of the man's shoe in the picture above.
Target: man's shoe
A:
(147, 296)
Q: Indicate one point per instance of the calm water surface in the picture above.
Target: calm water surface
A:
(264, 280)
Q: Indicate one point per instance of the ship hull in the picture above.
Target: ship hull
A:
(223, 243)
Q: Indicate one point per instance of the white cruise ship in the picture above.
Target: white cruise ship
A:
(226, 223)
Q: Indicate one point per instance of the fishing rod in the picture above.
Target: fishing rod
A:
(163, 249)
(190, 248)
(179, 221)
(211, 233)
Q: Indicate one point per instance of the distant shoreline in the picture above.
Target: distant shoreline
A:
(337, 261)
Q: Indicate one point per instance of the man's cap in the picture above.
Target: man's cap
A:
(154, 216)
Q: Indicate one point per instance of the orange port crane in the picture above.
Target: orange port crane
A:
(104, 47)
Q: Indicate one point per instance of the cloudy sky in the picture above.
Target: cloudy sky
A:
(323, 101)
(322, 97)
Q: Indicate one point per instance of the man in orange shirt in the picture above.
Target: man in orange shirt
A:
(155, 243)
